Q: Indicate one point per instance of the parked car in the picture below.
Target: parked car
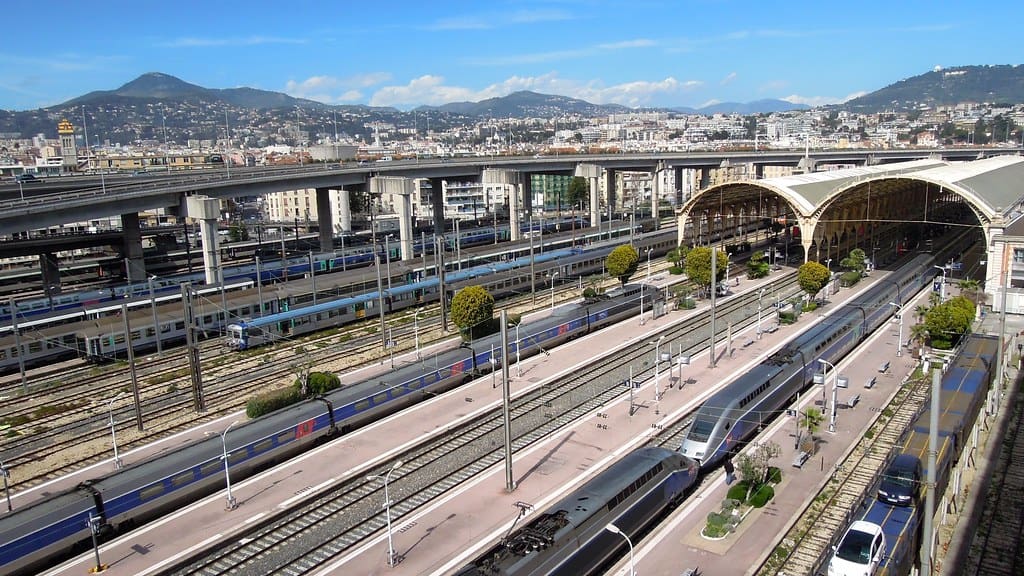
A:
(901, 484)
(859, 552)
(26, 177)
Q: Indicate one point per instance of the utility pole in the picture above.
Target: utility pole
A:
(131, 365)
(714, 289)
(192, 348)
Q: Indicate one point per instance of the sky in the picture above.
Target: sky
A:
(406, 54)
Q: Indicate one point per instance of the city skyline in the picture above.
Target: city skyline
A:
(647, 53)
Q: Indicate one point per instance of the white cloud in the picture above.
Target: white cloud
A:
(432, 90)
(728, 78)
(333, 90)
(813, 100)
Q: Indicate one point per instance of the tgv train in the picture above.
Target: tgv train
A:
(964, 386)
(40, 533)
(274, 270)
(738, 410)
(570, 537)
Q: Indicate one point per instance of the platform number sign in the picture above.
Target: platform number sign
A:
(937, 286)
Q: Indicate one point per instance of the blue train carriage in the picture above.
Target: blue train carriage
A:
(31, 536)
(570, 538)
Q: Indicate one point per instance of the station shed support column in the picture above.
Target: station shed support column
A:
(324, 220)
(133, 247)
(206, 210)
(677, 172)
(401, 189)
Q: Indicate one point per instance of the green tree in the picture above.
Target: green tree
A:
(947, 322)
(471, 307)
(677, 255)
(919, 334)
(854, 262)
(578, 192)
(622, 263)
(812, 277)
(698, 265)
(753, 466)
(238, 233)
(757, 267)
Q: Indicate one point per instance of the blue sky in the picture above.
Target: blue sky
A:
(409, 53)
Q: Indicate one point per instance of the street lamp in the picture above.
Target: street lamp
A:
(615, 530)
(648, 264)
(387, 507)
(231, 504)
(657, 365)
(899, 314)
(6, 473)
(553, 290)
(759, 296)
(156, 324)
(942, 287)
(416, 330)
(113, 435)
(519, 369)
(823, 380)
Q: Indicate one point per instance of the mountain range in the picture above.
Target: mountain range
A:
(158, 106)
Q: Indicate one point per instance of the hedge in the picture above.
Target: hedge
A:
(266, 403)
(762, 496)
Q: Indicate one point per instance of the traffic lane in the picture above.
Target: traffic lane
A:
(758, 534)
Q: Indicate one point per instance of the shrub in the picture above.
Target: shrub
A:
(320, 383)
(774, 474)
(849, 278)
(677, 270)
(738, 491)
(810, 306)
(266, 403)
(762, 496)
(787, 317)
(589, 293)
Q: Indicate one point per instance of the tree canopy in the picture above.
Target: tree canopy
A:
(698, 265)
(578, 191)
(622, 262)
(472, 306)
(949, 321)
(812, 277)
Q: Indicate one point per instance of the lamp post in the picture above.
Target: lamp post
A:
(657, 366)
(519, 370)
(759, 296)
(553, 290)
(899, 314)
(648, 264)
(230, 504)
(416, 330)
(156, 324)
(387, 507)
(824, 381)
(615, 530)
(113, 434)
(7, 490)
(942, 287)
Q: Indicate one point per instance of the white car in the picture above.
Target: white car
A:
(859, 552)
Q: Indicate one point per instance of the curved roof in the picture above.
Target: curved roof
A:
(991, 185)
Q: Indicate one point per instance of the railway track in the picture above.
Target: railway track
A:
(64, 440)
(299, 540)
(805, 547)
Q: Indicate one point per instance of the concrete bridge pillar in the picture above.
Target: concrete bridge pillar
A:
(508, 180)
(136, 264)
(206, 210)
(400, 189)
(437, 202)
(678, 179)
(591, 172)
(48, 265)
(705, 177)
(324, 220)
(343, 209)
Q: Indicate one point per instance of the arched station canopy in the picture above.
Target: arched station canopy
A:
(873, 207)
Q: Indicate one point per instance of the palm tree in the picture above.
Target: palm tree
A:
(920, 311)
(971, 289)
(810, 420)
(919, 334)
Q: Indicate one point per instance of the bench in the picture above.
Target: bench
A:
(771, 329)
(871, 383)
(884, 367)
(748, 342)
(853, 401)
(800, 458)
